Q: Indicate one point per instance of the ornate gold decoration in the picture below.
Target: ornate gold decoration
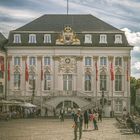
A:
(110, 58)
(67, 37)
(66, 67)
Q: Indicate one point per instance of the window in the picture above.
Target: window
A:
(32, 81)
(118, 61)
(103, 81)
(32, 60)
(1, 74)
(87, 61)
(67, 82)
(87, 82)
(1, 88)
(47, 38)
(118, 39)
(103, 38)
(16, 60)
(118, 81)
(88, 38)
(103, 61)
(47, 81)
(118, 106)
(47, 60)
(17, 38)
(17, 80)
(32, 38)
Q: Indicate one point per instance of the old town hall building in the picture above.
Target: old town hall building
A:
(69, 61)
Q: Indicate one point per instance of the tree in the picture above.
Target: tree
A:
(134, 85)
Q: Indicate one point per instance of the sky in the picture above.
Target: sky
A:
(122, 14)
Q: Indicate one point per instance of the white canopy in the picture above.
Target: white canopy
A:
(25, 104)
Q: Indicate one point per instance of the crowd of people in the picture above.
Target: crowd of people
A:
(19, 112)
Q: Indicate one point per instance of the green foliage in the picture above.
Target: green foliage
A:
(134, 84)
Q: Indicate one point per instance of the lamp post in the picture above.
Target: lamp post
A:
(33, 94)
(102, 98)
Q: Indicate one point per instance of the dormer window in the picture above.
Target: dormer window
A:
(32, 38)
(88, 38)
(118, 39)
(17, 38)
(47, 38)
(103, 38)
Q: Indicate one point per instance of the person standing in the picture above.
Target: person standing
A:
(100, 115)
(86, 119)
(78, 123)
(62, 114)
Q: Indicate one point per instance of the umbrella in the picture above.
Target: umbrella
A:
(7, 102)
(25, 104)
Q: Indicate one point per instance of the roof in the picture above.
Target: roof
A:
(77, 22)
(2, 41)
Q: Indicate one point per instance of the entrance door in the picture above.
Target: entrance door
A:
(67, 82)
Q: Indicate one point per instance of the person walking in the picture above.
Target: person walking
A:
(78, 123)
(86, 119)
(93, 119)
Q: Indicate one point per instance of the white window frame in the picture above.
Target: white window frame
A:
(32, 38)
(118, 61)
(17, 38)
(118, 106)
(47, 61)
(87, 82)
(88, 38)
(32, 61)
(47, 81)
(17, 60)
(88, 61)
(47, 38)
(103, 61)
(103, 38)
(17, 80)
(118, 39)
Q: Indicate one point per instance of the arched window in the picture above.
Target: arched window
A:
(103, 81)
(118, 81)
(32, 81)
(17, 80)
(87, 82)
(47, 81)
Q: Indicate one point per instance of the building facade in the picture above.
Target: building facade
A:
(69, 61)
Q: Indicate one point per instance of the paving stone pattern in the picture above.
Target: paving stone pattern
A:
(53, 129)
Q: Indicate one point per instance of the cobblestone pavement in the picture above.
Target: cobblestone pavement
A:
(53, 129)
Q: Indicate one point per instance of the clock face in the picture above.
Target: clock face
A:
(67, 60)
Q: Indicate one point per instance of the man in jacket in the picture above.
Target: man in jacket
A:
(78, 122)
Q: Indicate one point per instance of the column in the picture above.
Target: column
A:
(96, 77)
(23, 82)
(110, 79)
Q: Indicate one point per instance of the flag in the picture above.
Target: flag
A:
(2, 63)
(8, 71)
(26, 72)
(111, 72)
(96, 71)
(41, 71)
(127, 75)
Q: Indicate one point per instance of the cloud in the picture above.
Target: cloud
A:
(134, 39)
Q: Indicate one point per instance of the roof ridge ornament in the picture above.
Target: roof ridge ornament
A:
(67, 37)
